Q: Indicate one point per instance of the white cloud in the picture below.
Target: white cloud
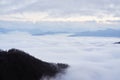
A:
(13, 5)
(89, 14)
(40, 17)
(90, 58)
(62, 7)
(45, 26)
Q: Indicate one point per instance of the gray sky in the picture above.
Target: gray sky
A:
(91, 14)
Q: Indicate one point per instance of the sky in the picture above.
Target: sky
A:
(59, 15)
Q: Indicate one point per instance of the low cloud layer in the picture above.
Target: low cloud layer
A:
(90, 58)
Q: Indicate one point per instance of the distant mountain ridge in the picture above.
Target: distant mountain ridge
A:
(2, 30)
(99, 33)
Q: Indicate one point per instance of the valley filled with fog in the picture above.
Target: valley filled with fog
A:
(90, 58)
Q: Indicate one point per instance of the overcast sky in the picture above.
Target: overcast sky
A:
(65, 14)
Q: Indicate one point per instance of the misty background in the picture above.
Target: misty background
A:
(61, 16)
(81, 33)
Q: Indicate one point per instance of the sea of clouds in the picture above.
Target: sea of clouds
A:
(90, 58)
